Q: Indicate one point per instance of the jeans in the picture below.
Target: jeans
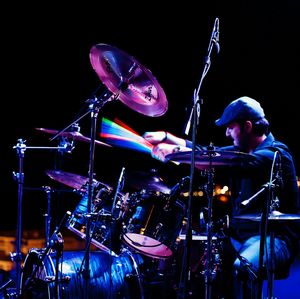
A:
(246, 266)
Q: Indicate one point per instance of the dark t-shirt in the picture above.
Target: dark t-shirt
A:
(250, 178)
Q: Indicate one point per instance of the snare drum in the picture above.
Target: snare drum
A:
(154, 224)
(106, 223)
(199, 264)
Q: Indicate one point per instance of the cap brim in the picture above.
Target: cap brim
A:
(219, 122)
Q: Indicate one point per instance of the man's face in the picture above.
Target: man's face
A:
(237, 134)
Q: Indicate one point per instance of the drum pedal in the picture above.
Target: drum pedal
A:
(51, 278)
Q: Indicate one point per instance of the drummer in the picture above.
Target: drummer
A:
(247, 126)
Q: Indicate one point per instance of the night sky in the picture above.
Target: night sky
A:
(47, 77)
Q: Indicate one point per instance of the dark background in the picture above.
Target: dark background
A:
(47, 77)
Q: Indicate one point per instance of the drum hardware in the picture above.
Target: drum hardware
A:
(146, 181)
(20, 148)
(73, 135)
(154, 224)
(193, 121)
(269, 214)
(48, 215)
(126, 79)
(206, 159)
(112, 276)
(55, 244)
(105, 226)
(75, 181)
(6, 291)
(52, 278)
(135, 86)
(118, 189)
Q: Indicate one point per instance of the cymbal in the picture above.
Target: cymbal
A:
(149, 181)
(204, 158)
(72, 180)
(275, 215)
(74, 135)
(125, 77)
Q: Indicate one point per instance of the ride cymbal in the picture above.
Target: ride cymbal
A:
(74, 135)
(275, 215)
(128, 80)
(205, 159)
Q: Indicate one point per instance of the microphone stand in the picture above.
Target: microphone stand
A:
(194, 119)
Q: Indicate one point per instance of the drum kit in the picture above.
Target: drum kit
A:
(137, 234)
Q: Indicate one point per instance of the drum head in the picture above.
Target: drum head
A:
(147, 245)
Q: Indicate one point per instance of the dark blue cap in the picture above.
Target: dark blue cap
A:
(243, 108)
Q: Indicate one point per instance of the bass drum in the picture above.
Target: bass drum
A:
(110, 276)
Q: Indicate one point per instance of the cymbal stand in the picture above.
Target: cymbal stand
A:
(194, 120)
(17, 256)
(209, 188)
(95, 103)
(269, 206)
(94, 106)
(48, 215)
(19, 177)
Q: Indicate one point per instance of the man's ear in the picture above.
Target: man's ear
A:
(248, 126)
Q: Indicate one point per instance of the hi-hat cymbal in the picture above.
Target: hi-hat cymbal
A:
(205, 159)
(125, 77)
(74, 135)
(275, 215)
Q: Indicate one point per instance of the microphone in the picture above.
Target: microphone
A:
(177, 188)
(216, 35)
(122, 179)
(119, 187)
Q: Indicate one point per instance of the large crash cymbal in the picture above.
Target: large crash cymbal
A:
(74, 135)
(274, 216)
(125, 77)
(205, 159)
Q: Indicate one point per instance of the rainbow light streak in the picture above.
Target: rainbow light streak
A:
(123, 136)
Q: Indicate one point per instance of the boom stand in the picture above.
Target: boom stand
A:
(194, 118)
(95, 104)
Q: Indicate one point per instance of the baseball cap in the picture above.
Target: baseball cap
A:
(243, 108)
